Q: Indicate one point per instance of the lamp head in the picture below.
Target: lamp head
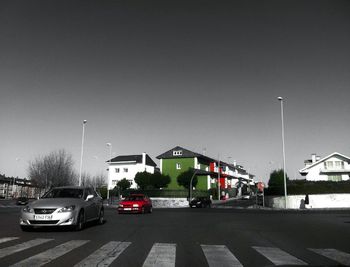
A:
(280, 98)
(84, 121)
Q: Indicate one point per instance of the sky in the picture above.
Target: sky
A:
(151, 75)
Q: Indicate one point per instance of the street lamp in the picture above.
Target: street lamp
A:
(109, 171)
(14, 178)
(82, 151)
(194, 174)
(284, 154)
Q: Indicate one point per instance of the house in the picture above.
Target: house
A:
(127, 166)
(178, 159)
(334, 167)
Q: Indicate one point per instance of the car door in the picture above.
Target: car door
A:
(90, 205)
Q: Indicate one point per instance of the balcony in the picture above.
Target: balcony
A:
(335, 170)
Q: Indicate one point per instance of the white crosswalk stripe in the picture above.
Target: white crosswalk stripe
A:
(334, 254)
(278, 256)
(220, 256)
(161, 255)
(16, 248)
(105, 255)
(51, 254)
(6, 239)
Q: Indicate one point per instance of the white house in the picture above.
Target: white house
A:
(127, 166)
(334, 167)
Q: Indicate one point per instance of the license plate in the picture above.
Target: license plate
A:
(43, 217)
(127, 208)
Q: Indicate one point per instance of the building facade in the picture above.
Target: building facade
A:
(334, 167)
(178, 160)
(127, 166)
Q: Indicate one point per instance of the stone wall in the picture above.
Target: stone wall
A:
(322, 201)
(159, 202)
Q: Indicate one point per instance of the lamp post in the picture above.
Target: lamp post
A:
(284, 154)
(82, 151)
(109, 171)
(194, 174)
(219, 178)
(14, 178)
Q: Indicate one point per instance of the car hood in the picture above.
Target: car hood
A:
(56, 202)
(129, 202)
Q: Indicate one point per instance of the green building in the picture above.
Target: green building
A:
(178, 160)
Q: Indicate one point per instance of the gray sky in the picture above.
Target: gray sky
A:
(151, 75)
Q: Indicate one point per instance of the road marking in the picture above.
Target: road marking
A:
(6, 239)
(278, 256)
(220, 256)
(105, 255)
(161, 255)
(16, 248)
(50, 254)
(334, 254)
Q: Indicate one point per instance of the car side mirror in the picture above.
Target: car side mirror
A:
(89, 197)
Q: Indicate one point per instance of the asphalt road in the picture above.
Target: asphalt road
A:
(192, 237)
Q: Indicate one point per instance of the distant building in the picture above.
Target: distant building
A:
(334, 167)
(127, 166)
(178, 160)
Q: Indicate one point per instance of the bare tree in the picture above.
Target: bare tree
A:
(96, 181)
(54, 169)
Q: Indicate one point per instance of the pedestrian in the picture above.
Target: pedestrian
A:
(306, 201)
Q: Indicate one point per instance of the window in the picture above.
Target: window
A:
(114, 182)
(178, 166)
(334, 178)
(177, 153)
(125, 169)
(117, 170)
(329, 164)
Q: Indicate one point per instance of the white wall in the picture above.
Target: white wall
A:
(315, 201)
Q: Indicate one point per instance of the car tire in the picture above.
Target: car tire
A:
(101, 217)
(26, 228)
(80, 221)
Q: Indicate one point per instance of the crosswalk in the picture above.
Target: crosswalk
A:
(159, 254)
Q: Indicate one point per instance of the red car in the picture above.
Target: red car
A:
(135, 203)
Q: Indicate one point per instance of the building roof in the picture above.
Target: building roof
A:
(132, 158)
(305, 169)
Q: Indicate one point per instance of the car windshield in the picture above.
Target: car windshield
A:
(64, 193)
(133, 198)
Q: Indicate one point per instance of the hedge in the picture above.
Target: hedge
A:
(166, 193)
(302, 187)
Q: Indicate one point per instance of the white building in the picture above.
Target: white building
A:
(334, 167)
(127, 166)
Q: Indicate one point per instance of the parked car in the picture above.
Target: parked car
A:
(63, 206)
(135, 203)
(200, 202)
(22, 201)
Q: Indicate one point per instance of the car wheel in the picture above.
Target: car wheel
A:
(101, 217)
(26, 228)
(80, 221)
(150, 209)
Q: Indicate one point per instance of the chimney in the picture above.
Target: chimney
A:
(235, 163)
(313, 158)
(144, 158)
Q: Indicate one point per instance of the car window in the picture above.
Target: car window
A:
(134, 198)
(64, 193)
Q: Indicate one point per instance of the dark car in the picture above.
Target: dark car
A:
(22, 201)
(200, 202)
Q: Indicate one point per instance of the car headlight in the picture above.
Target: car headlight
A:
(28, 209)
(120, 205)
(67, 209)
(135, 205)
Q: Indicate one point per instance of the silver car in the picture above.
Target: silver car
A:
(63, 206)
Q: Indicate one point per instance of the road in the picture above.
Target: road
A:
(185, 237)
